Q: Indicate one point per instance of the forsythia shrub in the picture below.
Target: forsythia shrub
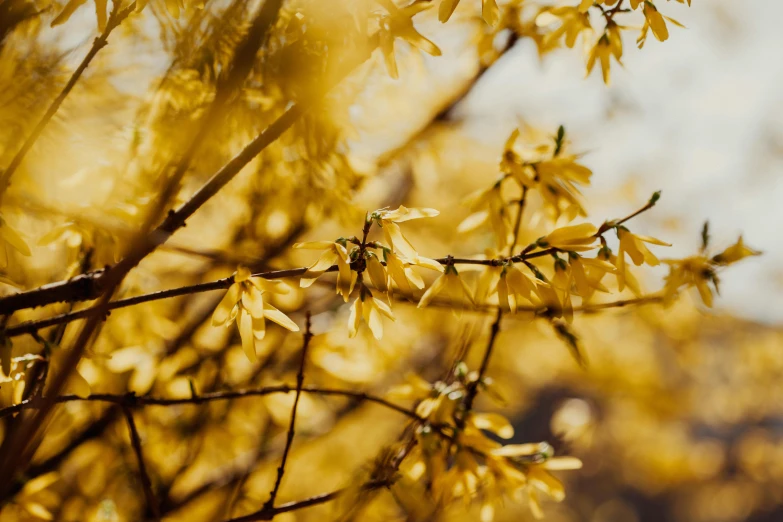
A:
(126, 392)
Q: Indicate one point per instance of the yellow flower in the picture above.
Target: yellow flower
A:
(388, 221)
(493, 210)
(563, 170)
(79, 237)
(10, 238)
(536, 461)
(448, 282)
(701, 271)
(548, 168)
(415, 388)
(244, 302)
(513, 286)
(587, 273)
(486, 285)
(512, 163)
(623, 274)
(558, 178)
(400, 270)
(402, 273)
(399, 24)
(436, 402)
(334, 253)
(610, 44)
(655, 21)
(561, 285)
(602, 52)
(571, 238)
(573, 22)
(697, 271)
(734, 253)
(549, 298)
(492, 422)
(377, 272)
(368, 307)
(489, 11)
(633, 244)
(461, 480)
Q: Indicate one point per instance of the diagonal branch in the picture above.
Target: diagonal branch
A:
(115, 19)
(269, 514)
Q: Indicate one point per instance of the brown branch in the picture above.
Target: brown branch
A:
(29, 327)
(152, 503)
(115, 19)
(131, 401)
(473, 387)
(270, 513)
(270, 504)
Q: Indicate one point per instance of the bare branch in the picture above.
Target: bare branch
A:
(152, 503)
(270, 504)
(269, 514)
(131, 400)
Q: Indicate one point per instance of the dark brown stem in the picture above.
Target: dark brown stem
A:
(152, 503)
(270, 504)
(130, 400)
(473, 387)
(29, 327)
(270, 513)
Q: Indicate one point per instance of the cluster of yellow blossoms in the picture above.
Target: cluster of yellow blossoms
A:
(387, 20)
(454, 457)
(570, 22)
(244, 303)
(398, 255)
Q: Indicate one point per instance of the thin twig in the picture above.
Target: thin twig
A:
(222, 284)
(131, 400)
(269, 514)
(152, 503)
(270, 504)
(473, 387)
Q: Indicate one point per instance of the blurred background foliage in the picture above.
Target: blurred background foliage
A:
(676, 417)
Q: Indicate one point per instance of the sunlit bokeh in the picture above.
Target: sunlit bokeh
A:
(391, 260)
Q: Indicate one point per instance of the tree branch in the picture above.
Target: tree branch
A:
(270, 513)
(270, 504)
(131, 401)
(152, 503)
(221, 284)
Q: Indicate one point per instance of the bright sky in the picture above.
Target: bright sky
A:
(699, 117)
